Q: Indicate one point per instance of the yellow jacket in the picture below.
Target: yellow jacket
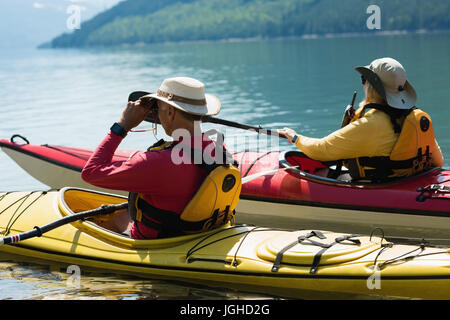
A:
(371, 135)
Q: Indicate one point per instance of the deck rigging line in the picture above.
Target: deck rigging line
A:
(13, 217)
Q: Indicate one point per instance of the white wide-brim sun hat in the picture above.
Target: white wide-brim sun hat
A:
(388, 77)
(188, 95)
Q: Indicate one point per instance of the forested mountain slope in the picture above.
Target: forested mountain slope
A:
(151, 21)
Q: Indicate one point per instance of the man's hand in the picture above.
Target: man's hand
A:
(133, 115)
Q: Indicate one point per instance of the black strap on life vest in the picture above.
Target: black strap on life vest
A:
(383, 166)
(168, 223)
(133, 196)
(160, 142)
(394, 114)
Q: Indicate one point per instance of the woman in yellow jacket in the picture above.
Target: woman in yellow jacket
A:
(387, 137)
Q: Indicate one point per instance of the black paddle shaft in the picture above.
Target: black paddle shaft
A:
(136, 95)
(38, 231)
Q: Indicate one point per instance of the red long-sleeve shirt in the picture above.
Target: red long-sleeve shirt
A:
(165, 184)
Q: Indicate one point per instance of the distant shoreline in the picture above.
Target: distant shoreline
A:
(48, 45)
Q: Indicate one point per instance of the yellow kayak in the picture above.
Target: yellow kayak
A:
(290, 263)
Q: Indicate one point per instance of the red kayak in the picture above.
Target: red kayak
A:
(295, 197)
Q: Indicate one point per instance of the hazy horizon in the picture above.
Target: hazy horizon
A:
(29, 23)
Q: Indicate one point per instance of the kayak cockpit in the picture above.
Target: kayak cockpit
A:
(300, 165)
(109, 227)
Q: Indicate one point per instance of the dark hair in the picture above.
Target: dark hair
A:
(373, 96)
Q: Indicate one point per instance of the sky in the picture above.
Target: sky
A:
(29, 23)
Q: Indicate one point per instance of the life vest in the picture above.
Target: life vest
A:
(212, 206)
(411, 153)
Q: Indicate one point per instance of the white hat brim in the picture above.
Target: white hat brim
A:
(405, 99)
(212, 106)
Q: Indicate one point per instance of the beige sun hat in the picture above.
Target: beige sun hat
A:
(388, 77)
(188, 95)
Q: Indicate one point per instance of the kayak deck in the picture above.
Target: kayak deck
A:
(256, 258)
(295, 198)
(416, 206)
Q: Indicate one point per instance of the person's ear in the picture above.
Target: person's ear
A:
(171, 112)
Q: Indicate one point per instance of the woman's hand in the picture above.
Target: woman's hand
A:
(133, 115)
(288, 133)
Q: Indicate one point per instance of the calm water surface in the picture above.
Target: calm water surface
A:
(71, 98)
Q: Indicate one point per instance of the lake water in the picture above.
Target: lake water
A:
(71, 98)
